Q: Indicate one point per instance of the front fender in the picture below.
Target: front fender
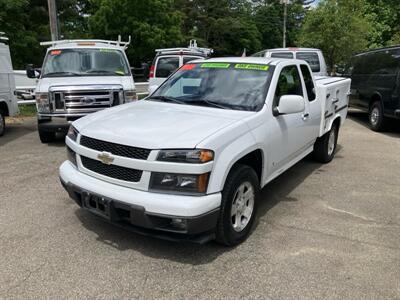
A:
(230, 145)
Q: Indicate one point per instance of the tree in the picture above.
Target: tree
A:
(338, 28)
(227, 25)
(152, 24)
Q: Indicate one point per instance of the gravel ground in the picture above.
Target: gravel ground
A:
(325, 231)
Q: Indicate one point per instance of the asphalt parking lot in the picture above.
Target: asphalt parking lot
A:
(325, 231)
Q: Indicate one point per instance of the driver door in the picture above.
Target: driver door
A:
(288, 133)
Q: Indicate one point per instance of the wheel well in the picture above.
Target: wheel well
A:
(4, 108)
(337, 122)
(374, 99)
(254, 160)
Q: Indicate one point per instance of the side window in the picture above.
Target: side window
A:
(282, 54)
(186, 59)
(289, 83)
(312, 59)
(308, 81)
(166, 66)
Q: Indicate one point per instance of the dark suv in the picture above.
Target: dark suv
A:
(375, 85)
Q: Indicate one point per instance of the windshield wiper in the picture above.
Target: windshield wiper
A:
(51, 74)
(167, 99)
(206, 102)
(104, 72)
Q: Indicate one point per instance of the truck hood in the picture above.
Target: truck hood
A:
(45, 83)
(157, 125)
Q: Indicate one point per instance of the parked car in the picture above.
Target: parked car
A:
(375, 86)
(80, 77)
(169, 60)
(314, 57)
(8, 101)
(189, 161)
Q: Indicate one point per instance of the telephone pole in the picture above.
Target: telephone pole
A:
(285, 3)
(53, 19)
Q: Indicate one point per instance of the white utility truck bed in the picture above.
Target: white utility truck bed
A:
(189, 161)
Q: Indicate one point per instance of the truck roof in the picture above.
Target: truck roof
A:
(250, 60)
(293, 49)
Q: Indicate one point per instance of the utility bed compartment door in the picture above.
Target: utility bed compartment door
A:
(334, 95)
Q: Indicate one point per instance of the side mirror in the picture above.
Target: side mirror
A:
(152, 89)
(290, 104)
(31, 72)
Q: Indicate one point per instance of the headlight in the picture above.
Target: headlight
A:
(182, 183)
(42, 102)
(196, 156)
(71, 155)
(72, 133)
(130, 96)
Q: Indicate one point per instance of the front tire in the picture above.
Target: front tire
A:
(325, 146)
(2, 124)
(377, 120)
(46, 136)
(238, 206)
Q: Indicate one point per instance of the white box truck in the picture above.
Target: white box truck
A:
(8, 101)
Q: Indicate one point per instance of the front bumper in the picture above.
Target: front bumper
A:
(55, 123)
(172, 217)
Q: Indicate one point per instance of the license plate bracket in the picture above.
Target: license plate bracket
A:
(97, 204)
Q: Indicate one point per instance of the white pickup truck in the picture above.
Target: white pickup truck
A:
(189, 161)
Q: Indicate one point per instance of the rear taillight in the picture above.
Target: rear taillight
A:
(151, 74)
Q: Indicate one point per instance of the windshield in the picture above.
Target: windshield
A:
(220, 85)
(85, 62)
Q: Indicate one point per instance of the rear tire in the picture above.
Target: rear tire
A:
(238, 206)
(2, 124)
(377, 120)
(325, 146)
(46, 136)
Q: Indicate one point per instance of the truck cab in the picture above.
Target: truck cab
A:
(80, 77)
(314, 57)
(8, 101)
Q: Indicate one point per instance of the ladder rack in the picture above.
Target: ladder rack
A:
(118, 43)
(191, 49)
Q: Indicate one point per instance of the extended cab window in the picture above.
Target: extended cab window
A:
(289, 83)
(166, 66)
(312, 59)
(308, 81)
(282, 55)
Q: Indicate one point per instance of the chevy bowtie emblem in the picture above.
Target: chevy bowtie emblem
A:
(105, 158)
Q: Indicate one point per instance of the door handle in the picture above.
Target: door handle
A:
(305, 116)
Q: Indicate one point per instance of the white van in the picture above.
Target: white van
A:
(314, 57)
(80, 77)
(169, 60)
(8, 102)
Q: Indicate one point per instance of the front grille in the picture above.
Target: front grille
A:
(116, 149)
(111, 171)
(85, 101)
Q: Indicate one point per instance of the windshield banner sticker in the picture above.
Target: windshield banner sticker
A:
(215, 65)
(252, 67)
